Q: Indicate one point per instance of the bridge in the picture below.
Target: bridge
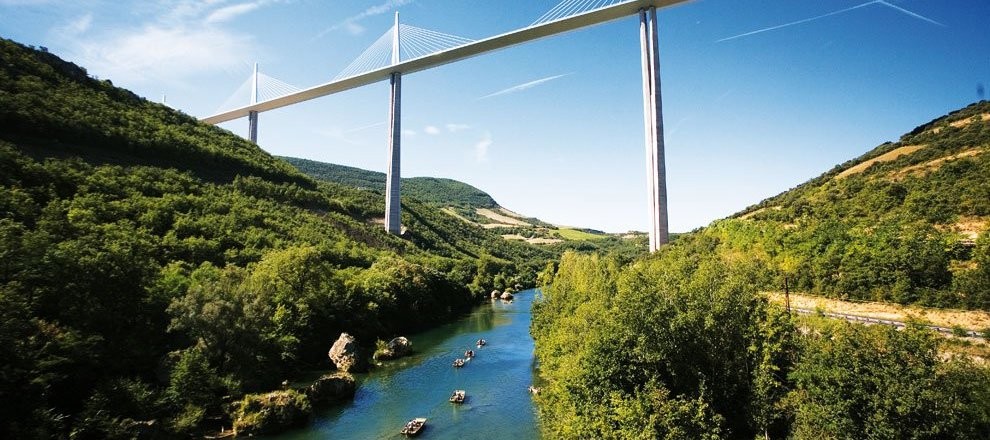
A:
(428, 49)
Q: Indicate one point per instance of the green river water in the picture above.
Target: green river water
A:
(498, 404)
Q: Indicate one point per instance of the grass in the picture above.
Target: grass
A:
(578, 235)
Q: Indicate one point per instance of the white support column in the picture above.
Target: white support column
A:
(656, 175)
(393, 218)
(253, 114)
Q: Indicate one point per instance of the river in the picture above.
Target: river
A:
(498, 404)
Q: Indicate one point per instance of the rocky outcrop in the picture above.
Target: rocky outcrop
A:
(270, 413)
(506, 295)
(394, 349)
(495, 294)
(347, 356)
(331, 388)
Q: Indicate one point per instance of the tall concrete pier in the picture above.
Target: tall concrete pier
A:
(253, 114)
(393, 218)
(656, 173)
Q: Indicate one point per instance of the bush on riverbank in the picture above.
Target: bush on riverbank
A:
(680, 345)
(271, 412)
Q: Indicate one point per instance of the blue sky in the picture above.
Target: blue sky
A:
(758, 95)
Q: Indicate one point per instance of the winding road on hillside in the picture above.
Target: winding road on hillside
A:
(870, 320)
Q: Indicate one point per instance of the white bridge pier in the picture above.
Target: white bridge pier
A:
(393, 176)
(652, 102)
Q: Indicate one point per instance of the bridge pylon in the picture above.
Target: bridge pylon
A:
(393, 218)
(656, 173)
(253, 114)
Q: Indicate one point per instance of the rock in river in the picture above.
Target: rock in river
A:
(507, 296)
(396, 348)
(331, 388)
(346, 355)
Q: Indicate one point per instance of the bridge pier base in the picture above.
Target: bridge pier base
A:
(656, 173)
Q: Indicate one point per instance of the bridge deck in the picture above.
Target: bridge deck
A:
(479, 47)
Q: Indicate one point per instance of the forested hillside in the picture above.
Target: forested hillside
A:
(432, 190)
(153, 268)
(682, 344)
(906, 222)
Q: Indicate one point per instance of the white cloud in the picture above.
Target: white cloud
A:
(351, 25)
(409, 133)
(25, 2)
(228, 13)
(156, 53)
(524, 86)
(454, 128)
(74, 28)
(431, 130)
(170, 42)
(481, 148)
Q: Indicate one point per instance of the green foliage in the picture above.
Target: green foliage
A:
(270, 412)
(885, 233)
(680, 346)
(875, 382)
(152, 261)
(674, 333)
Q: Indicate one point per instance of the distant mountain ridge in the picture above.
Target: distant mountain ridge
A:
(458, 199)
(433, 190)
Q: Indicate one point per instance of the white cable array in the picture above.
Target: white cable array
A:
(568, 8)
(379, 54)
(271, 88)
(240, 97)
(414, 42)
(268, 88)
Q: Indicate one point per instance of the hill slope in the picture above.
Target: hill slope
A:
(151, 265)
(442, 192)
(906, 222)
(466, 203)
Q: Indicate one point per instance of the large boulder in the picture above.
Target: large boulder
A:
(394, 349)
(506, 295)
(270, 413)
(347, 356)
(495, 294)
(331, 388)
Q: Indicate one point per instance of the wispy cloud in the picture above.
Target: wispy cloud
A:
(352, 24)
(840, 11)
(431, 130)
(524, 86)
(913, 14)
(481, 148)
(454, 128)
(168, 42)
(75, 27)
(25, 2)
(228, 13)
(365, 127)
(154, 53)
